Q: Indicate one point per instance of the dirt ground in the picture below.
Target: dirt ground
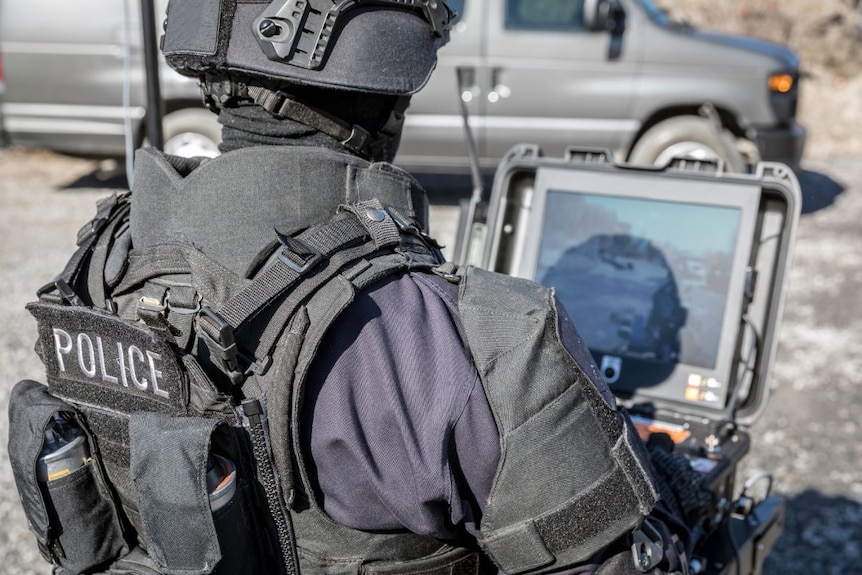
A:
(810, 436)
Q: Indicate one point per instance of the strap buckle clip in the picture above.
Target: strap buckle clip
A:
(104, 209)
(358, 140)
(298, 255)
(647, 547)
(220, 342)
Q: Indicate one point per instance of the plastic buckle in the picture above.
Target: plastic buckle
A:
(180, 310)
(103, 214)
(308, 256)
(151, 305)
(259, 367)
(307, 263)
(358, 140)
(222, 345)
(91, 229)
(647, 547)
(64, 291)
(410, 228)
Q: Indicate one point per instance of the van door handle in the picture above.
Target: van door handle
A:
(500, 91)
(467, 84)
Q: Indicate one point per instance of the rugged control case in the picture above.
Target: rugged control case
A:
(537, 224)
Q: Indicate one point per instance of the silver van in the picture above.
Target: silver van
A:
(616, 74)
(65, 65)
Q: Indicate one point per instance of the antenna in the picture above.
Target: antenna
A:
(129, 144)
(151, 65)
(466, 77)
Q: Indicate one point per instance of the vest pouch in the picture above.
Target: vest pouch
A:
(234, 531)
(68, 503)
(193, 498)
(136, 562)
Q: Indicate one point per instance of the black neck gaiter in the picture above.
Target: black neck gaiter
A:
(250, 125)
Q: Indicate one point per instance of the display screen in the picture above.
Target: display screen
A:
(644, 279)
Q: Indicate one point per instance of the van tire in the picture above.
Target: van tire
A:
(191, 132)
(685, 135)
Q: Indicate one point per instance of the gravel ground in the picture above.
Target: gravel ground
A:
(809, 436)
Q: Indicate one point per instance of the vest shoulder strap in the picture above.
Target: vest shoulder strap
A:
(73, 285)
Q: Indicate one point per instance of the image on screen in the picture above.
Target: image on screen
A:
(640, 278)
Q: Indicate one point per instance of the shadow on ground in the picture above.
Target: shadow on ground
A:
(823, 535)
(101, 180)
(819, 191)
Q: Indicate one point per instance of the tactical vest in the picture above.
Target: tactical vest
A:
(185, 360)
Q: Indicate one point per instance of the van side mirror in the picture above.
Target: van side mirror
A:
(596, 15)
(607, 16)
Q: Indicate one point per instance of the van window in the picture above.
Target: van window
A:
(457, 6)
(545, 14)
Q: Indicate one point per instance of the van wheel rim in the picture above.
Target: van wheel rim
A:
(689, 150)
(190, 145)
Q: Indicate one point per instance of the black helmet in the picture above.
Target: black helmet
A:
(286, 55)
(374, 46)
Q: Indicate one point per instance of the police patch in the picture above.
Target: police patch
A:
(99, 359)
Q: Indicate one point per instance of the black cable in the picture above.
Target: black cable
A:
(682, 488)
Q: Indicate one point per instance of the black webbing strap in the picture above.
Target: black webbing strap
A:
(298, 256)
(313, 250)
(107, 209)
(361, 274)
(283, 105)
(99, 257)
(285, 310)
(352, 136)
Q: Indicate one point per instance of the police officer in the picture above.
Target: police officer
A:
(422, 419)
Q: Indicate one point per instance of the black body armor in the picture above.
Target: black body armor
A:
(168, 361)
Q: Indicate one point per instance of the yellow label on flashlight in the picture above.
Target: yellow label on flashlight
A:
(59, 474)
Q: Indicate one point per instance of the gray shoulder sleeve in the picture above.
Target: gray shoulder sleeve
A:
(572, 476)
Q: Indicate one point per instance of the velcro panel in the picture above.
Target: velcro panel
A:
(99, 359)
(559, 454)
(570, 534)
(518, 549)
(631, 454)
(168, 468)
(591, 521)
(112, 433)
(193, 27)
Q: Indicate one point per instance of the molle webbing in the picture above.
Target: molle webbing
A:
(94, 241)
(545, 514)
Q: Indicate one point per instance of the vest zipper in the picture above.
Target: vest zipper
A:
(254, 420)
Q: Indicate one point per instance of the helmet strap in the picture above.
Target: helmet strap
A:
(280, 104)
